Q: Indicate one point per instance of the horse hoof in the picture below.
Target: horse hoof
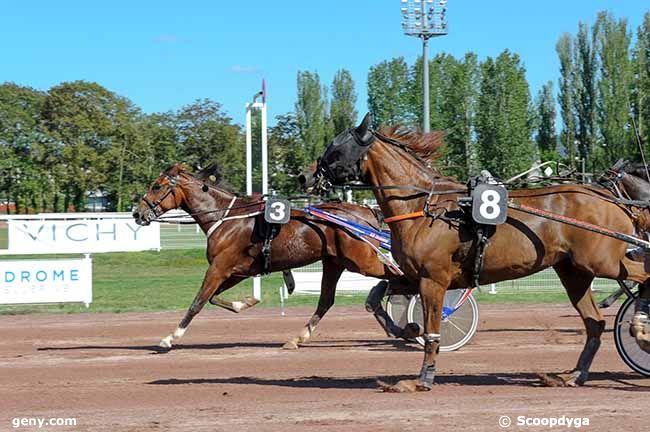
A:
(290, 345)
(571, 379)
(166, 343)
(404, 386)
(411, 331)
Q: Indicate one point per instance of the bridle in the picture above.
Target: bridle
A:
(155, 206)
(173, 180)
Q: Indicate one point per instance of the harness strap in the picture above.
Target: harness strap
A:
(404, 216)
(361, 233)
(218, 223)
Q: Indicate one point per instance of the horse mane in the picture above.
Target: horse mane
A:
(426, 145)
(210, 174)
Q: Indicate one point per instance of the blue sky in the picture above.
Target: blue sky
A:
(164, 54)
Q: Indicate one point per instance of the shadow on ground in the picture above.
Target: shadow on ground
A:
(371, 345)
(491, 379)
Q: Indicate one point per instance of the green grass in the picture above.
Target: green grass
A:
(155, 281)
(169, 280)
(4, 237)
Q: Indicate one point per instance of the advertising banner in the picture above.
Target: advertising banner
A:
(43, 236)
(46, 281)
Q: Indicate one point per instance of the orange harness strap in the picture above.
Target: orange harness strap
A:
(404, 217)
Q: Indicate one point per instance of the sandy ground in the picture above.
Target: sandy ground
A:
(229, 373)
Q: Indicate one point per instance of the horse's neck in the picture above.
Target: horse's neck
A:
(389, 166)
(636, 187)
(202, 205)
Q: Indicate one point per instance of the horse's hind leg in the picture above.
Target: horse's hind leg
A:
(578, 286)
(235, 306)
(215, 280)
(331, 275)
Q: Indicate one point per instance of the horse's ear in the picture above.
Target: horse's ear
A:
(362, 129)
(210, 174)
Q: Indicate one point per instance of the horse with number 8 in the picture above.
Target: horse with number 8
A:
(234, 244)
(436, 247)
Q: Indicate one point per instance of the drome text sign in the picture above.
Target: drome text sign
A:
(51, 281)
(40, 236)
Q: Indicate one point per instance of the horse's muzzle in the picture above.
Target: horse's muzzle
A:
(142, 218)
(307, 181)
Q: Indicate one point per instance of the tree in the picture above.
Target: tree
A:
(456, 110)
(586, 65)
(641, 87)
(343, 113)
(546, 137)
(612, 42)
(564, 49)
(388, 92)
(285, 148)
(503, 126)
(206, 135)
(441, 70)
(88, 122)
(25, 160)
(311, 115)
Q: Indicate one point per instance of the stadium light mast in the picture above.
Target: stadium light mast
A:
(424, 19)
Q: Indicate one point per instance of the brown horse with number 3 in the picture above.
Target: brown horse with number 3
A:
(234, 246)
(436, 252)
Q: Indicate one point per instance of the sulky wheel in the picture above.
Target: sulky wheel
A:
(626, 345)
(455, 330)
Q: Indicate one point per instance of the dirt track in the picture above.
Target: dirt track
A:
(228, 373)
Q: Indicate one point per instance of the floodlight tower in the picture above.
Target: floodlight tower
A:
(424, 19)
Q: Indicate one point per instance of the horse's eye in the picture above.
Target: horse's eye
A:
(156, 187)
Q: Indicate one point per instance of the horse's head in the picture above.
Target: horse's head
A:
(341, 161)
(161, 196)
(628, 179)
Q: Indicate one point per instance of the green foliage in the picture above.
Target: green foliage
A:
(88, 122)
(287, 154)
(641, 86)
(206, 135)
(24, 153)
(389, 97)
(311, 116)
(586, 65)
(78, 138)
(503, 126)
(566, 82)
(612, 42)
(343, 114)
(455, 107)
(603, 86)
(546, 137)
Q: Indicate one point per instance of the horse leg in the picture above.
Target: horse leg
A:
(214, 279)
(233, 306)
(578, 287)
(373, 305)
(432, 294)
(331, 274)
